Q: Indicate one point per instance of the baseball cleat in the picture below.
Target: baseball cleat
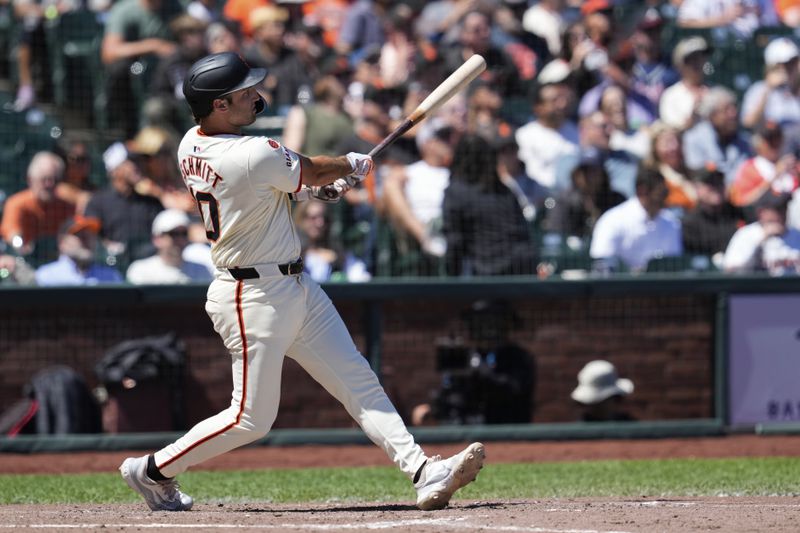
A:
(159, 495)
(440, 478)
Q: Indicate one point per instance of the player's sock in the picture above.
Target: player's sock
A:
(419, 472)
(152, 470)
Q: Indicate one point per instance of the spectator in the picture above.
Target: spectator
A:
(32, 58)
(775, 98)
(601, 393)
(399, 52)
(483, 223)
(166, 104)
(545, 20)
(631, 110)
(550, 136)
(328, 15)
(710, 224)
(577, 209)
(667, 156)
(76, 265)
(768, 172)
(414, 193)
(595, 136)
(717, 139)
(268, 24)
(679, 102)
(294, 76)
(126, 217)
(205, 11)
(221, 37)
(239, 12)
(363, 26)
(167, 266)
(154, 149)
(766, 245)
(32, 216)
(788, 12)
(318, 126)
(474, 38)
(741, 16)
(630, 134)
(76, 187)
(136, 30)
(650, 74)
(321, 258)
(640, 229)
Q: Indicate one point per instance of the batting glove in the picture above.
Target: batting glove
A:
(332, 192)
(361, 165)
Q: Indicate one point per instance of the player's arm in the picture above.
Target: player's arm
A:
(322, 169)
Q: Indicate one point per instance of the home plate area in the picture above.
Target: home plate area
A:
(729, 514)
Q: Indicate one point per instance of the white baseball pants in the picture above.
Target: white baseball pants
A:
(260, 320)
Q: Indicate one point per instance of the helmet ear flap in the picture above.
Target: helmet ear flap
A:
(261, 105)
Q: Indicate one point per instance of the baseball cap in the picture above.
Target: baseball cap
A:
(150, 140)
(168, 220)
(687, 47)
(773, 200)
(780, 50)
(598, 381)
(78, 223)
(709, 174)
(265, 14)
(114, 156)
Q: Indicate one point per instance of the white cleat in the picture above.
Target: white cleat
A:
(440, 478)
(159, 495)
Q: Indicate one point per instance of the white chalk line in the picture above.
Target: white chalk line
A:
(455, 523)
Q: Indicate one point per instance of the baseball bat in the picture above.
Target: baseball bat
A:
(456, 81)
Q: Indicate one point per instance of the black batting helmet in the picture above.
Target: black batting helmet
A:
(216, 75)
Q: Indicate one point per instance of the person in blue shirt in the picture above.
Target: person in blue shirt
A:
(76, 264)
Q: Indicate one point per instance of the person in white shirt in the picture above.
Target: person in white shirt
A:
(167, 266)
(679, 101)
(639, 229)
(775, 97)
(542, 142)
(767, 244)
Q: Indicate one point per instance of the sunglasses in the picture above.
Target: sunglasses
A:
(176, 233)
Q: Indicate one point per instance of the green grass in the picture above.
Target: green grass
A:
(673, 477)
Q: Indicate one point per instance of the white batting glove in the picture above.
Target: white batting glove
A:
(361, 165)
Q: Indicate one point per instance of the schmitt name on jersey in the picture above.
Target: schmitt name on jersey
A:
(194, 166)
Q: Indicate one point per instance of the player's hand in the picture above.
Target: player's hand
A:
(361, 165)
(332, 192)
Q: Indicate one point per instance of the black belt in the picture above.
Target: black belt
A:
(287, 269)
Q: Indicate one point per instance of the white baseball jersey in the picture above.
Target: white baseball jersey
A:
(241, 185)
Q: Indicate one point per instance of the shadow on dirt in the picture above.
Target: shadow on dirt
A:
(366, 508)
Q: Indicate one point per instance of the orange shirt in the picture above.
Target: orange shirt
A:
(239, 11)
(25, 215)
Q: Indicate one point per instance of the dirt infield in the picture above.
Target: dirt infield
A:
(558, 516)
(645, 515)
(497, 452)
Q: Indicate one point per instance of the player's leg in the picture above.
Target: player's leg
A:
(326, 351)
(257, 333)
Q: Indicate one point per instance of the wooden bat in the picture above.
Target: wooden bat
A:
(459, 79)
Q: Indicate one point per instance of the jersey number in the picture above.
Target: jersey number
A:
(210, 213)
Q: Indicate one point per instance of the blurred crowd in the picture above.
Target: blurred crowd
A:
(597, 140)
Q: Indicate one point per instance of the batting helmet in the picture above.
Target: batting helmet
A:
(216, 75)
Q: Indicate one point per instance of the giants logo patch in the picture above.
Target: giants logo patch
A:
(273, 144)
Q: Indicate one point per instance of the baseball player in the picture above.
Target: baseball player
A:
(260, 301)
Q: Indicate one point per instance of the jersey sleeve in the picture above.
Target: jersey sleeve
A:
(272, 165)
